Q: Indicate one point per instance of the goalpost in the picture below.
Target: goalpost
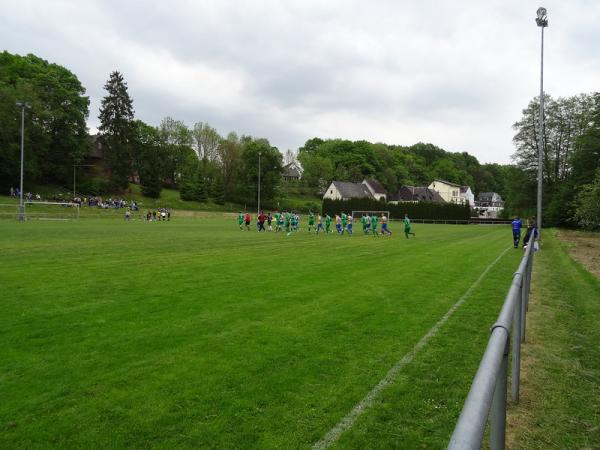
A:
(51, 210)
(357, 214)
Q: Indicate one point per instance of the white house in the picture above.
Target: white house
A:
(292, 171)
(467, 195)
(377, 191)
(344, 190)
(450, 192)
(489, 204)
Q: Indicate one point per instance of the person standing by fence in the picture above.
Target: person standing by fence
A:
(516, 230)
(531, 232)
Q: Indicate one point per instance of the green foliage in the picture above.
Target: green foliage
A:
(318, 171)
(117, 130)
(94, 186)
(270, 170)
(394, 166)
(149, 156)
(587, 205)
(419, 210)
(571, 155)
(201, 185)
(55, 128)
(218, 190)
(176, 140)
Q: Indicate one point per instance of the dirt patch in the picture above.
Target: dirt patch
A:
(584, 247)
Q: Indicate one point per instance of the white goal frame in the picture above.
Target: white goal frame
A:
(45, 216)
(356, 215)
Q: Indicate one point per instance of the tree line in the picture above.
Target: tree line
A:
(202, 164)
(571, 160)
(56, 135)
(197, 161)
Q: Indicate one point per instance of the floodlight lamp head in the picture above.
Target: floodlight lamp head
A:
(542, 17)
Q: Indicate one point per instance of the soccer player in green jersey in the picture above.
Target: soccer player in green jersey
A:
(364, 222)
(344, 221)
(407, 226)
(311, 221)
(327, 224)
(241, 220)
(374, 225)
(288, 222)
(277, 226)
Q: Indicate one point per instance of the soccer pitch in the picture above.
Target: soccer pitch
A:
(194, 334)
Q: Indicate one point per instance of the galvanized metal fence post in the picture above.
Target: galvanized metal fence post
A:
(516, 342)
(498, 410)
(526, 288)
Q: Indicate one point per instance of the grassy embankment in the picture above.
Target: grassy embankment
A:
(292, 198)
(560, 397)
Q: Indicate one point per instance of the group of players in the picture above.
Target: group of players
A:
(289, 222)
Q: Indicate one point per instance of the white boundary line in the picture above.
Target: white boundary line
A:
(348, 421)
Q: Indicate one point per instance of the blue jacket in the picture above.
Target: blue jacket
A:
(516, 226)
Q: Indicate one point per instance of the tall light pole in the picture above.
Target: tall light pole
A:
(542, 22)
(22, 105)
(259, 153)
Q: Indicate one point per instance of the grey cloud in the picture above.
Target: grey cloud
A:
(458, 73)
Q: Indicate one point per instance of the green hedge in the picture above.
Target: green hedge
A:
(420, 210)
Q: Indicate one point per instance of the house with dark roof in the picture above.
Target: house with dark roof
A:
(416, 194)
(376, 189)
(292, 172)
(489, 204)
(345, 190)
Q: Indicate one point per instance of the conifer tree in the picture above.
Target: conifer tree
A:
(117, 130)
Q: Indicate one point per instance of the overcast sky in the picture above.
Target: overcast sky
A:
(453, 73)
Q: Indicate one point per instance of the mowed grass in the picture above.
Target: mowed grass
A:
(194, 334)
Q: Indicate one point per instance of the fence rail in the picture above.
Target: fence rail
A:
(488, 393)
(459, 222)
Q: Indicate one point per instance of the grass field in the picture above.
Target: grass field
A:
(193, 334)
(560, 400)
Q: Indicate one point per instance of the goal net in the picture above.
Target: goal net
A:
(51, 211)
(358, 214)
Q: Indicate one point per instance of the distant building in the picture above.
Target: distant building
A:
(416, 194)
(292, 171)
(467, 195)
(376, 189)
(489, 204)
(449, 191)
(344, 190)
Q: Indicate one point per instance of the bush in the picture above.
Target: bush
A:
(93, 186)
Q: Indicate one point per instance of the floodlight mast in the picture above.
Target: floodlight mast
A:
(542, 22)
(258, 209)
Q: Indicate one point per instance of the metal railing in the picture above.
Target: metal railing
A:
(488, 393)
(471, 221)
